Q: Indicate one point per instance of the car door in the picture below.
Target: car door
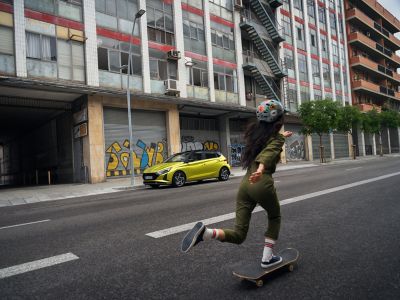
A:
(211, 164)
(193, 168)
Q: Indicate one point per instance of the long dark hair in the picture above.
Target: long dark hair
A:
(256, 136)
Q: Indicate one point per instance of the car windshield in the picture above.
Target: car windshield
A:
(179, 157)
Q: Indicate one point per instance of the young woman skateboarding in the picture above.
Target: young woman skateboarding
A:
(262, 153)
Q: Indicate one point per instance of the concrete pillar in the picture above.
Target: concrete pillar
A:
(390, 147)
(93, 143)
(330, 54)
(363, 152)
(180, 46)
(210, 65)
(309, 148)
(319, 49)
(350, 145)
(332, 143)
(19, 39)
(373, 144)
(225, 136)
(144, 49)
(308, 50)
(295, 56)
(173, 131)
(239, 58)
(91, 66)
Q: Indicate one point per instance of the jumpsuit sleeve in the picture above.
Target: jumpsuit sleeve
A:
(269, 154)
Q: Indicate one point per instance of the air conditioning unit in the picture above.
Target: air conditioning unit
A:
(173, 54)
(238, 4)
(171, 87)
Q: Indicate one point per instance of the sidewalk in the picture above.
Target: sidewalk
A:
(33, 194)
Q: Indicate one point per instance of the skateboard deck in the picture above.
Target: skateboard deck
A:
(254, 272)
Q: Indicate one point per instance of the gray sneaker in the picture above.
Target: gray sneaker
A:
(193, 237)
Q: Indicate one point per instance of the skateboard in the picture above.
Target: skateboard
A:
(254, 272)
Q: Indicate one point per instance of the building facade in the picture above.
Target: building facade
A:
(373, 67)
(63, 80)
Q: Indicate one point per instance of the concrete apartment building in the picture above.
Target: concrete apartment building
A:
(63, 107)
(373, 67)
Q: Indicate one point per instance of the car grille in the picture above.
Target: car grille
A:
(149, 176)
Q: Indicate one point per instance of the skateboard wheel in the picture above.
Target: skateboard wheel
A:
(259, 283)
(290, 268)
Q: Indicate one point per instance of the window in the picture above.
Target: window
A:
(160, 22)
(300, 36)
(298, 8)
(338, 84)
(317, 94)
(71, 62)
(222, 40)
(40, 46)
(322, 19)
(302, 67)
(315, 72)
(304, 94)
(287, 29)
(46, 6)
(113, 55)
(289, 61)
(198, 74)
(7, 40)
(327, 75)
(225, 79)
(332, 20)
(160, 68)
(311, 11)
(335, 51)
(324, 46)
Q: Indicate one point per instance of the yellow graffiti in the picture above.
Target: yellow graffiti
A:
(211, 146)
(112, 162)
(125, 159)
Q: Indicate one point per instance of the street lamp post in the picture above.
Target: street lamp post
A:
(138, 15)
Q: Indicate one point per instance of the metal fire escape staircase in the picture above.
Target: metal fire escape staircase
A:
(275, 3)
(269, 54)
(267, 84)
(266, 16)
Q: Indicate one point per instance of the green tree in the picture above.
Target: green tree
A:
(348, 117)
(318, 117)
(372, 123)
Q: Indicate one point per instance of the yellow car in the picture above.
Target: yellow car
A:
(188, 166)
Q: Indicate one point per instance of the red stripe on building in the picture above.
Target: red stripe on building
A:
(117, 36)
(53, 19)
(168, 1)
(338, 92)
(316, 87)
(312, 26)
(301, 21)
(291, 80)
(304, 83)
(314, 56)
(334, 37)
(192, 9)
(329, 90)
(332, 10)
(196, 56)
(324, 60)
(285, 12)
(323, 32)
(287, 46)
(301, 51)
(336, 65)
(342, 42)
(224, 63)
(6, 7)
(321, 4)
(161, 47)
(219, 20)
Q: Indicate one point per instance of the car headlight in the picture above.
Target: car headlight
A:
(161, 172)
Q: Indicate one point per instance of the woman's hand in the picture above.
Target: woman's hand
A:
(254, 177)
(287, 134)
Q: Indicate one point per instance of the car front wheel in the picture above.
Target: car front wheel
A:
(224, 174)
(179, 179)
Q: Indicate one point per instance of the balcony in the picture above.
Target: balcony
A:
(375, 89)
(357, 16)
(373, 47)
(362, 62)
(365, 107)
(384, 14)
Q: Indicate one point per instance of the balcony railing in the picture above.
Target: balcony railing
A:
(374, 66)
(376, 88)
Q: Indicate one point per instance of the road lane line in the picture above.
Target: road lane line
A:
(353, 168)
(37, 264)
(185, 227)
(24, 224)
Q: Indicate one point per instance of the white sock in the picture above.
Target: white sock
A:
(268, 247)
(210, 234)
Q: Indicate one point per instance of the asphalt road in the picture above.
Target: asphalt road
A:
(347, 236)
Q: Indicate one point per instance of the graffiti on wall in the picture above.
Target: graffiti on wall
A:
(189, 143)
(295, 147)
(236, 151)
(118, 163)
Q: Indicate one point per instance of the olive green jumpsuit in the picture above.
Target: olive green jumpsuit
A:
(262, 193)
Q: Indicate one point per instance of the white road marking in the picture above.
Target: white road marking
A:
(353, 168)
(37, 264)
(24, 224)
(185, 227)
